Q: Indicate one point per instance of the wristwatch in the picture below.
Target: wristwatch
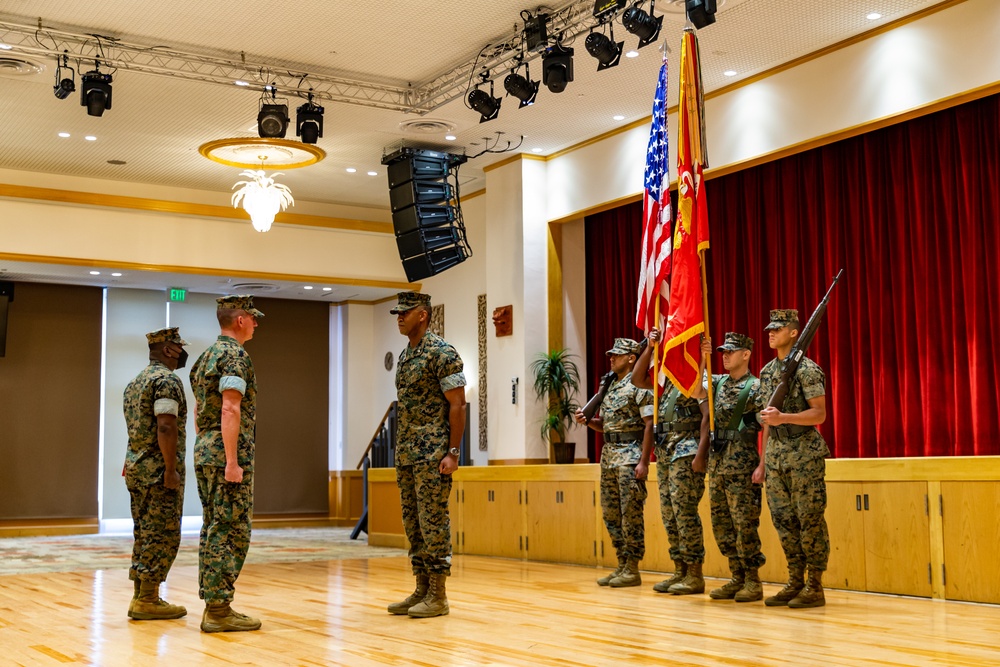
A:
(454, 452)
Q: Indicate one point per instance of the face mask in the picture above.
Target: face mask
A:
(182, 359)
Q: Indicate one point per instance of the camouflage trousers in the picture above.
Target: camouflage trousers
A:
(796, 496)
(227, 512)
(735, 502)
(622, 500)
(423, 494)
(681, 489)
(156, 527)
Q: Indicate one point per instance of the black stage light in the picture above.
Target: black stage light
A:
(536, 36)
(521, 87)
(309, 122)
(607, 52)
(642, 25)
(64, 88)
(95, 92)
(272, 121)
(487, 106)
(557, 68)
(701, 12)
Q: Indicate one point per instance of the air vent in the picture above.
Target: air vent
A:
(426, 126)
(257, 288)
(19, 67)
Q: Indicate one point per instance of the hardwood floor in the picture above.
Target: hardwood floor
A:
(504, 612)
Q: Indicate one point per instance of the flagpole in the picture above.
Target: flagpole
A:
(656, 367)
(708, 357)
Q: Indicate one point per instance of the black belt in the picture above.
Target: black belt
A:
(729, 434)
(624, 436)
(677, 427)
(791, 431)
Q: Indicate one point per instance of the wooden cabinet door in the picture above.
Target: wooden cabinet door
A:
(560, 519)
(971, 526)
(775, 568)
(897, 538)
(492, 519)
(657, 545)
(845, 519)
(455, 516)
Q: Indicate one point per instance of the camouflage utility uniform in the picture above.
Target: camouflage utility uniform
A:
(795, 469)
(735, 500)
(156, 510)
(423, 374)
(678, 430)
(227, 507)
(622, 495)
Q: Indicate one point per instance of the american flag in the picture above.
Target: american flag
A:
(656, 214)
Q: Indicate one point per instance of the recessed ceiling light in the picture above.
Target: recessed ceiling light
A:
(632, 54)
(241, 83)
(618, 117)
(373, 173)
(116, 275)
(729, 72)
(64, 135)
(6, 47)
(90, 137)
(874, 16)
(449, 137)
(351, 170)
(95, 273)
(307, 287)
(536, 150)
(327, 289)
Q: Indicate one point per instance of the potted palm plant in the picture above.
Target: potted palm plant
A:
(557, 380)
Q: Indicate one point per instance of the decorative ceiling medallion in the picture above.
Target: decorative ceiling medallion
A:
(250, 152)
(426, 126)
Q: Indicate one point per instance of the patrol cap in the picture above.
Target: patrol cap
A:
(624, 346)
(735, 341)
(782, 317)
(410, 300)
(171, 335)
(239, 302)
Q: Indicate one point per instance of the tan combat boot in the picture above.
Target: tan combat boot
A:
(752, 590)
(729, 589)
(220, 617)
(135, 596)
(149, 607)
(606, 580)
(812, 594)
(418, 594)
(680, 571)
(796, 583)
(629, 575)
(435, 603)
(692, 583)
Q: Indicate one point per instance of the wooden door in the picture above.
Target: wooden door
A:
(560, 519)
(971, 526)
(492, 518)
(897, 538)
(845, 520)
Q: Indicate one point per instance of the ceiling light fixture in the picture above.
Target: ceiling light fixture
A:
(116, 275)
(483, 103)
(307, 287)
(373, 173)
(618, 117)
(642, 24)
(729, 72)
(327, 289)
(701, 12)
(536, 150)
(874, 16)
(521, 87)
(90, 137)
(262, 198)
(65, 85)
(557, 67)
(351, 170)
(632, 54)
(241, 83)
(95, 91)
(272, 119)
(309, 121)
(449, 137)
(95, 273)
(604, 48)
(64, 135)
(6, 47)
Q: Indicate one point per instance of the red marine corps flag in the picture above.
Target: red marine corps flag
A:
(686, 316)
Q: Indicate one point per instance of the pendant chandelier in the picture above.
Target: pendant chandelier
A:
(262, 198)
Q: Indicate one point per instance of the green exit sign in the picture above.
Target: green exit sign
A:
(178, 293)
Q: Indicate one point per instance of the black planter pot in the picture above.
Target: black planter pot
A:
(564, 452)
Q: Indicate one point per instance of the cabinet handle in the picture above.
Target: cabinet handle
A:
(520, 542)
(519, 499)
(929, 580)
(525, 542)
(857, 499)
(944, 578)
(941, 505)
(866, 502)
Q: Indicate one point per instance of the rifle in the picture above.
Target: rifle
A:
(790, 364)
(590, 409)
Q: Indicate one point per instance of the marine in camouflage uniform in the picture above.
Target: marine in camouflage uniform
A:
(431, 420)
(795, 468)
(156, 415)
(734, 499)
(627, 441)
(225, 373)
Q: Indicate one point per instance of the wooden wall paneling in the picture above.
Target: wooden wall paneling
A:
(385, 518)
(897, 538)
(845, 521)
(455, 517)
(971, 527)
(560, 522)
(657, 545)
(775, 568)
(716, 565)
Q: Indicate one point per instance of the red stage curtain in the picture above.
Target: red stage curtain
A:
(911, 214)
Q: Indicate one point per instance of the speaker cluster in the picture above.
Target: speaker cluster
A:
(426, 214)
